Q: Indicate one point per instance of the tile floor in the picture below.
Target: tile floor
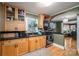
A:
(40, 52)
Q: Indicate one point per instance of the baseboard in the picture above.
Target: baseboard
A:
(62, 47)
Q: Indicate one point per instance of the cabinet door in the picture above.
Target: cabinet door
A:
(2, 17)
(19, 48)
(32, 44)
(0, 49)
(9, 50)
(43, 41)
(25, 46)
(38, 42)
(21, 25)
(14, 26)
(40, 21)
(11, 26)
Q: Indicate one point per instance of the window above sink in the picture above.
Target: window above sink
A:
(31, 23)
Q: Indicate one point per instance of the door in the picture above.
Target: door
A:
(38, 42)
(23, 46)
(19, 48)
(9, 50)
(40, 21)
(0, 49)
(43, 41)
(32, 44)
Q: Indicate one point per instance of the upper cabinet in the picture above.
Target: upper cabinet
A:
(14, 18)
(21, 14)
(43, 17)
(14, 13)
(1, 17)
(40, 21)
(10, 13)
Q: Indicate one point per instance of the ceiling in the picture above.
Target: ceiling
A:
(37, 8)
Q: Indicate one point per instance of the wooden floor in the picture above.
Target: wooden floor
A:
(62, 52)
(70, 49)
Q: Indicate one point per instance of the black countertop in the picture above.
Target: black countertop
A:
(46, 33)
(13, 38)
(3, 32)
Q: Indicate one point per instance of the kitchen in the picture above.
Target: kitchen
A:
(23, 32)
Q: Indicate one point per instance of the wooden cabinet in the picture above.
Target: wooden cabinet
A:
(23, 46)
(0, 49)
(41, 18)
(14, 13)
(9, 50)
(14, 20)
(14, 47)
(37, 42)
(40, 21)
(43, 41)
(11, 26)
(32, 44)
(14, 26)
(21, 25)
(1, 17)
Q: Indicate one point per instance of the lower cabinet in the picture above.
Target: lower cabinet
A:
(15, 47)
(0, 49)
(43, 41)
(21, 46)
(9, 50)
(32, 44)
(37, 42)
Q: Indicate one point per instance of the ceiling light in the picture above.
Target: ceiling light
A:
(46, 3)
